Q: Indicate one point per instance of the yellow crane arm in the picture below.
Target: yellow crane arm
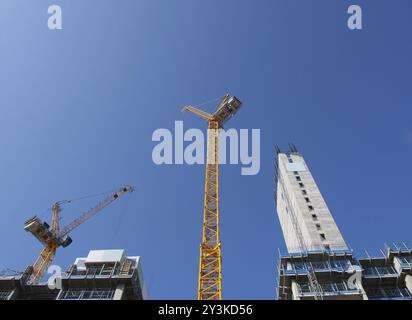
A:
(198, 112)
(93, 211)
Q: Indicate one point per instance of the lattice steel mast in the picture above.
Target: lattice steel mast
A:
(210, 262)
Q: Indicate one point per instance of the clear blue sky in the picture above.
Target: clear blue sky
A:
(79, 106)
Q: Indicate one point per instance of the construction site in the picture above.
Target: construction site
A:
(109, 274)
(318, 264)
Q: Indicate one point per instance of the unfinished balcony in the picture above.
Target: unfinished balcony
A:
(389, 293)
(330, 291)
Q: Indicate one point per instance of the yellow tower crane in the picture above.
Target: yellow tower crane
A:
(210, 264)
(53, 237)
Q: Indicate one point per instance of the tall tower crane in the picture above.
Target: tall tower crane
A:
(53, 237)
(210, 264)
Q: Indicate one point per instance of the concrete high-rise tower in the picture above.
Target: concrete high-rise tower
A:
(319, 265)
(301, 205)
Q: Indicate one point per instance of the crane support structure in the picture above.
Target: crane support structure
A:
(210, 262)
(52, 237)
(46, 256)
(42, 263)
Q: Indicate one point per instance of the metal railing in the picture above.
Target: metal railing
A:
(380, 272)
(388, 293)
(303, 267)
(313, 249)
(103, 270)
(4, 294)
(329, 289)
(79, 294)
(405, 262)
(399, 247)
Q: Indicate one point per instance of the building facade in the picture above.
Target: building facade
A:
(319, 265)
(102, 275)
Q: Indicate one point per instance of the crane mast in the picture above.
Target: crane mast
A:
(46, 256)
(210, 262)
(52, 237)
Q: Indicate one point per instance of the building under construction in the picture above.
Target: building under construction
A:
(102, 275)
(319, 265)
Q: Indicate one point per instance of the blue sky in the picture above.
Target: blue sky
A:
(79, 106)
